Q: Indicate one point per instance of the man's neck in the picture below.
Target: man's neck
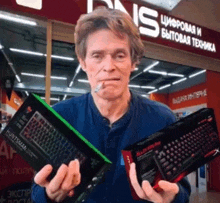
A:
(113, 109)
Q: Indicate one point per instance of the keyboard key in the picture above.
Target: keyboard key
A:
(52, 143)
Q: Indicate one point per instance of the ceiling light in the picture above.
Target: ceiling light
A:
(167, 5)
(135, 86)
(158, 72)
(26, 92)
(27, 52)
(198, 73)
(152, 91)
(58, 78)
(174, 74)
(151, 66)
(76, 73)
(178, 81)
(16, 18)
(146, 69)
(1, 47)
(63, 57)
(82, 80)
(78, 69)
(33, 75)
(136, 75)
(43, 76)
(18, 78)
(41, 54)
(52, 99)
(64, 98)
(71, 83)
(165, 86)
(147, 87)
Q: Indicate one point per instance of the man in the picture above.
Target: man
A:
(108, 47)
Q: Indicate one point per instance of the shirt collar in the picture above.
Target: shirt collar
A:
(123, 120)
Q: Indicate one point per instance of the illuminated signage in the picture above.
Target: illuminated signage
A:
(191, 96)
(155, 26)
(139, 16)
(188, 29)
(164, 29)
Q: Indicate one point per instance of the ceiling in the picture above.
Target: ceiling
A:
(33, 38)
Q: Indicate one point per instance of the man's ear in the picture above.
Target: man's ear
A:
(82, 63)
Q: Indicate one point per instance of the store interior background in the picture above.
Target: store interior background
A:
(68, 80)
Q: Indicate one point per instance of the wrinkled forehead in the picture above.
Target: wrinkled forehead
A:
(103, 38)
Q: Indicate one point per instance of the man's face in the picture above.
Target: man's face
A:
(108, 62)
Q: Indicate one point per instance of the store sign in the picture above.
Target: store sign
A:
(139, 14)
(190, 96)
(166, 30)
(186, 33)
(154, 26)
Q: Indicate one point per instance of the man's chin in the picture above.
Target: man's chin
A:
(109, 95)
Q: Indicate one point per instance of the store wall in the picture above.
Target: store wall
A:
(202, 95)
(213, 89)
(189, 97)
(193, 96)
(163, 98)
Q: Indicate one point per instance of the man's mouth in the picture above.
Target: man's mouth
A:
(111, 79)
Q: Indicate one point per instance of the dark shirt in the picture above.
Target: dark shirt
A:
(143, 118)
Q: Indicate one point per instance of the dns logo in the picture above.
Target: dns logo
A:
(141, 15)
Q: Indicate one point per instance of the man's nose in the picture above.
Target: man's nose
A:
(109, 64)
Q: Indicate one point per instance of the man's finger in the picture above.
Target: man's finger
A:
(41, 176)
(76, 174)
(134, 182)
(150, 193)
(72, 179)
(56, 182)
(168, 187)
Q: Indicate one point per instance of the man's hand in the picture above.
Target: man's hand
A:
(63, 183)
(146, 192)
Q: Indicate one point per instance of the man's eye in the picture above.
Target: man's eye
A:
(120, 56)
(97, 56)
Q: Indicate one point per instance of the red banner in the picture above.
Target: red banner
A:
(15, 174)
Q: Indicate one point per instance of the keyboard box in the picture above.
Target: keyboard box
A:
(175, 151)
(41, 136)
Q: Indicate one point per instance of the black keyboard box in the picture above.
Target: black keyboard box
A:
(41, 136)
(175, 151)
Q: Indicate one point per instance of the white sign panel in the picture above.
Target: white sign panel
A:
(35, 4)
